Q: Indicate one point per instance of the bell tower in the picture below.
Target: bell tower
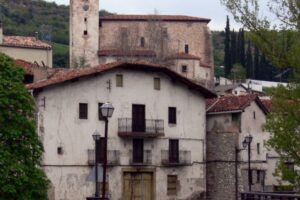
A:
(84, 33)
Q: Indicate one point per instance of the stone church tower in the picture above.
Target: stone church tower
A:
(84, 33)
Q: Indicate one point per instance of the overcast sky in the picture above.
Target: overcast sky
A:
(201, 8)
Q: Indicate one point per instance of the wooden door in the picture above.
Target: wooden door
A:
(138, 118)
(138, 186)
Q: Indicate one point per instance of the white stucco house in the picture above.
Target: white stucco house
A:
(156, 136)
(26, 48)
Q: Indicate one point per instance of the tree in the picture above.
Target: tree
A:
(233, 47)
(20, 148)
(249, 61)
(227, 58)
(280, 43)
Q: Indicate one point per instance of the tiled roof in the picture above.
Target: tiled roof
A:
(115, 52)
(27, 66)
(25, 42)
(232, 103)
(73, 74)
(185, 56)
(175, 18)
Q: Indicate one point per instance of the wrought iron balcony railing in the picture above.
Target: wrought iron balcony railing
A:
(183, 158)
(113, 157)
(145, 128)
(145, 159)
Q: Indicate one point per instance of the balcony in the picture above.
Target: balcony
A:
(183, 158)
(147, 128)
(146, 159)
(113, 157)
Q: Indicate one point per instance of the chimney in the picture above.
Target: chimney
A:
(1, 32)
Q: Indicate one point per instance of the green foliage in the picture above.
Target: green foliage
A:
(238, 73)
(20, 148)
(60, 55)
(284, 124)
(219, 71)
(280, 44)
(227, 55)
(218, 46)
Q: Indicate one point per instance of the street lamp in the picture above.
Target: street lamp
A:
(96, 137)
(247, 142)
(107, 110)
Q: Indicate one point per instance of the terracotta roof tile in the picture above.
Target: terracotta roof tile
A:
(174, 18)
(72, 74)
(229, 103)
(26, 42)
(27, 66)
(115, 52)
(184, 56)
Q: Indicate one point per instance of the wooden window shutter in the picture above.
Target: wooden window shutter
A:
(119, 80)
(172, 182)
(157, 83)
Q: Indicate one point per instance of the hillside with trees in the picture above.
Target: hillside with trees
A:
(48, 21)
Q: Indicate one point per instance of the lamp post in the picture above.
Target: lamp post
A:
(96, 137)
(106, 110)
(247, 142)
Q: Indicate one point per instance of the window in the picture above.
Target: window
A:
(186, 48)
(100, 150)
(183, 68)
(142, 42)
(85, 32)
(85, 19)
(172, 115)
(157, 83)
(172, 181)
(119, 80)
(173, 151)
(254, 116)
(83, 110)
(138, 150)
(258, 148)
(100, 116)
(235, 117)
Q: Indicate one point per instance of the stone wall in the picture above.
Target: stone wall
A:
(221, 173)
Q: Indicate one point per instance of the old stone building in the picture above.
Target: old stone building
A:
(156, 138)
(182, 43)
(229, 120)
(29, 49)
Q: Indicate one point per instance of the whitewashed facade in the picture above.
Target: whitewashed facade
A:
(67, 139)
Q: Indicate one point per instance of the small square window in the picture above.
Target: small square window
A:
(172, 182)
(119, 80)
(85, 19)
(83, 110)
(183, 68)
(172, 115)
(157, 83)
(85, 32)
